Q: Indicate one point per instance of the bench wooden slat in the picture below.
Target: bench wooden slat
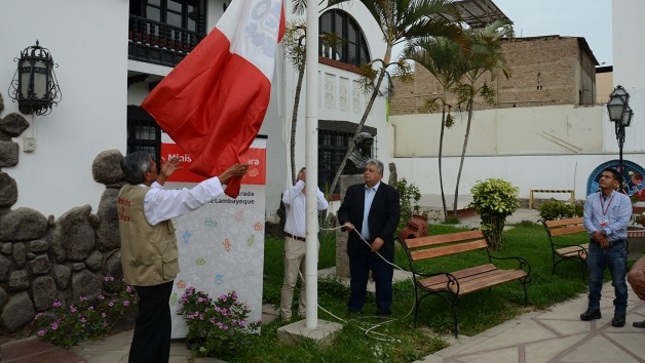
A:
(442, 238)
(448, 250)
(473, 279)
(572, 251)
(443, 279)
(563, 222)
(567, 230)
(483, 283)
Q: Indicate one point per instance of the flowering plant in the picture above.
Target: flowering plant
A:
(215, 327)
(69, 325)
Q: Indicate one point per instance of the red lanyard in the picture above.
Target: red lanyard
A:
(602, 204)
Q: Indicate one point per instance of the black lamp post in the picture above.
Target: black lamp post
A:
(620, 113)
(34, 85)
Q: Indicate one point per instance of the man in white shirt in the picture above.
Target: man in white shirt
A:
(294, 244)
(149, 256)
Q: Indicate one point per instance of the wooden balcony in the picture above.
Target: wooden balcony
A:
(158, 43)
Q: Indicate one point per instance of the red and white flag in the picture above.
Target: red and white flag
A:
(213, 102)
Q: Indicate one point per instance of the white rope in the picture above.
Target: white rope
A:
(371, 327)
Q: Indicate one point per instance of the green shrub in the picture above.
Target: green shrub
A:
(216, 328)
(557, 209)
(410, 196)
(494, 200)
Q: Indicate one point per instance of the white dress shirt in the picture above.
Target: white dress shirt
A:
(294, 202)
(369, 198)
(162, 204)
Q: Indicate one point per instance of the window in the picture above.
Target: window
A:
(143, 133)
(184, 14)
(164, 31)
(342, 39)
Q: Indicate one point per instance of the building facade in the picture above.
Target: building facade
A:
(110, 54)
(545, 71)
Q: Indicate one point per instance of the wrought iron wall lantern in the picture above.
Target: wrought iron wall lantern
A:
(34, 85)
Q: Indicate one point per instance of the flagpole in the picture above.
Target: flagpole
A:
(311, 163)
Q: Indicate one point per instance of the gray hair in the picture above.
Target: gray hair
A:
(134, 165)
(378, 164)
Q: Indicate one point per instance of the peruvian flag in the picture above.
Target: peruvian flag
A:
(213, 102)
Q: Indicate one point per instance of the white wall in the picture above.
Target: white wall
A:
(628, 40)
(539, 130)
(554, 147)
(88, 39)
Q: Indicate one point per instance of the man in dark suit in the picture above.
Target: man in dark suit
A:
(370, 211)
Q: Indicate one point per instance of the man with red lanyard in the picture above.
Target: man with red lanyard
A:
(606, 216)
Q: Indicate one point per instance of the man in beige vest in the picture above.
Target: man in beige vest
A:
(149, 256)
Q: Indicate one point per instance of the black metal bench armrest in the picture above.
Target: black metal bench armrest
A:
(523, 264)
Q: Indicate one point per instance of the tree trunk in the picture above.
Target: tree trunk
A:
(463, 153)
(294, 118)
(439, 159)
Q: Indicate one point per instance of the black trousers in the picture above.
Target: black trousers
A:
(151, 340)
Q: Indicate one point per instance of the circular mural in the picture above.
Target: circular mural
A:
(632, 173)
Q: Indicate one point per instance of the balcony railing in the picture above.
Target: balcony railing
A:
(158, 43)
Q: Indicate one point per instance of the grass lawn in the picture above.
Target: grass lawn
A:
(398, 340)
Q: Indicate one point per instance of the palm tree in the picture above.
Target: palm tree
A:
(400, 21)
(293, 43)
(443, 58)
(485, 57)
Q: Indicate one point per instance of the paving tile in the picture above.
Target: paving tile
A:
(528, 331)
(508, 355)
(546, 350)
(565, 327)
(34, 350)
(598, 349)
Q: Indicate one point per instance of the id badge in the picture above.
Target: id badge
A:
(604, 223)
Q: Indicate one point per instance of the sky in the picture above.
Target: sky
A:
(590, 19)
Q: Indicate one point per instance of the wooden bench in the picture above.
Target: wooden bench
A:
(562, 251)
(571, 192)
(451, 286)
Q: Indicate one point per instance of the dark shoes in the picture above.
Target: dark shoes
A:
(639, 324)
(618, 320)
(592, 314)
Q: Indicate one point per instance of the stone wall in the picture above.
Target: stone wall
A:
(43, 259)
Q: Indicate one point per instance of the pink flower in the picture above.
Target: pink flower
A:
(54, 326)
(57, 304)
(42, 332)
(82, 298)
(72, 308)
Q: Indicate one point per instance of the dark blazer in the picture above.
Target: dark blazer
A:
(383, 217)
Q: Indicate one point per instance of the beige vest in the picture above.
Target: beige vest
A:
(148, 253)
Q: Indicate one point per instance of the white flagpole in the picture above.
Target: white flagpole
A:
(311, 163)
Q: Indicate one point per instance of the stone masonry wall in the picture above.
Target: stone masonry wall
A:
(43, 259)
(543, 72)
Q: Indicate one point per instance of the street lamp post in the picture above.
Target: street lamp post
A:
(621, 114)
